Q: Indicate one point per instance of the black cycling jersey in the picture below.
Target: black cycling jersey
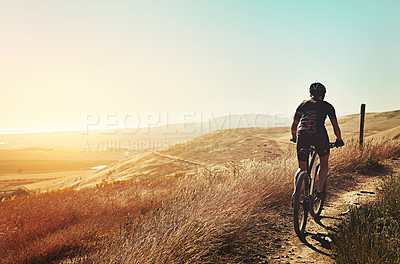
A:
(312, 114)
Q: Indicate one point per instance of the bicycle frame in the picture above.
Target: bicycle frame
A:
(312, 167)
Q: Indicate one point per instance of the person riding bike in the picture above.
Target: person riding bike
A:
(311, 115)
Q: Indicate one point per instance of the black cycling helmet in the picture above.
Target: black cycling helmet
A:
(317, 89)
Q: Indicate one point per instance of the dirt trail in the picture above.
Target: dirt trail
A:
(316, 246)
(180, 159)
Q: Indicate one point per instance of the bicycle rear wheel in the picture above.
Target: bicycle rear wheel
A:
(318, 204)
(300, 204)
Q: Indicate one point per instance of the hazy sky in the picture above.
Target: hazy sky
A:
(63, 60)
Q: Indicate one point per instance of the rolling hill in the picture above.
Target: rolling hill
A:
(48, 157)
(217, 148)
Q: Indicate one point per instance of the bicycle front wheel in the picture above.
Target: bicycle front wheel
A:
(300, 204)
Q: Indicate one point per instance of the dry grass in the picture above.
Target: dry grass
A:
(212, 217)
(209, 221)
(354, 158)
(53, 225)
(209, 214)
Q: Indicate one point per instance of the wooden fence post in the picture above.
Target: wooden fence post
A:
(362, 118)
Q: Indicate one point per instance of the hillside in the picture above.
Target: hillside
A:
(187, 157)
(45, 159)
(386, 124)
(217, 148)
(132, 138)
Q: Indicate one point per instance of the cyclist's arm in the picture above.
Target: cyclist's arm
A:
(294, 127)
(336, 128)
(296, 119)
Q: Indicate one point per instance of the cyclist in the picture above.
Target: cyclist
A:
(311, 115)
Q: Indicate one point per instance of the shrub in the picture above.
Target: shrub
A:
(371, 234)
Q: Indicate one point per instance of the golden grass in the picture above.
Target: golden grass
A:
(214, 216)
(53, 225)
(362, 159)
(208, 221)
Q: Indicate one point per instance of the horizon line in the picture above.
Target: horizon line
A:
(75, 129)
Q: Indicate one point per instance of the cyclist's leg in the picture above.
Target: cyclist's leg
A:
(296, 176)
(303, 144)
(302, 154)
(323, 150)
(302, 164)
(323, 171)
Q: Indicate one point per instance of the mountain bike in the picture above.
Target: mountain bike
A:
(305, 195)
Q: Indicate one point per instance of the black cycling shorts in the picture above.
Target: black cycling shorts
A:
(305, 140)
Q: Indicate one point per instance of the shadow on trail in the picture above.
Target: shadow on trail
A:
(323, 241)
(320, 238)
(318, 221)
